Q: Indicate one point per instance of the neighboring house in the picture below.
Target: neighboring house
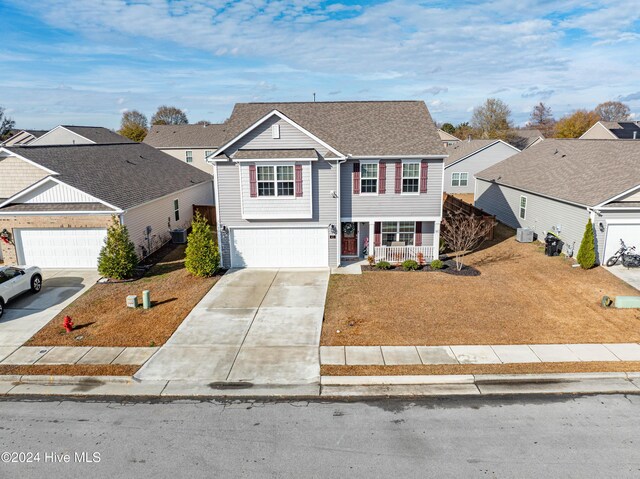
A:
(57, 201)
(23, 137)
(606, 130)
(447, 138)
(466, 158)
(559, 184)
(189, 143)
(311, 184)
(79, 135)
(525, 138)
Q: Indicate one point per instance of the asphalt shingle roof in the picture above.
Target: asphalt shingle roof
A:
(359, 128)
(98, 134)
(124, 175)
(623, 129)
(18, 207)
(460, 149)
(185, 136)
(586, 172)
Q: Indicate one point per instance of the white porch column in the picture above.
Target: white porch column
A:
(436, 239)
(372, 250)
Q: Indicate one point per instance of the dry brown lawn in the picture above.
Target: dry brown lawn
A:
(70, 369)
(521, 297)
(511, 368)
(101, 317)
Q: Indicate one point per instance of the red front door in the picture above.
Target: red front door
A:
(349, 239)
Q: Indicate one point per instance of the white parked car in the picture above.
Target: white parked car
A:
(15, 280)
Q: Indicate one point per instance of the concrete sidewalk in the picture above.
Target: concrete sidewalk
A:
(58, 355)
(483, 354)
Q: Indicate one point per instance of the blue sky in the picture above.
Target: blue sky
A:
(85, 62)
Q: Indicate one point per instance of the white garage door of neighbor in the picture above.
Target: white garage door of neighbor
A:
(60, 248)
(629, 233)
(279, 248)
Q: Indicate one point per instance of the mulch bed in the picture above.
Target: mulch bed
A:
(102, 318)
(514, 368)
(71, 370)
(449, 267)
(521, 297)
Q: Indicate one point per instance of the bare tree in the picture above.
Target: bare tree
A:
(542, 119)
(6, 125)
(169, 115)
(492, 119)
(613, 111)
(463, 233)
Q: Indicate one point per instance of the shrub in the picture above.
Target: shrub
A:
(118, 258)
(371, 260)
(436, 264)
(383, 265)
(587, 254)
(410, 265)
(202, 255)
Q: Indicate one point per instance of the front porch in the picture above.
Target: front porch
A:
(391, 241)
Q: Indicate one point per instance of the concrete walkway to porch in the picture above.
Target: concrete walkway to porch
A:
(257, 326)
(481, 354)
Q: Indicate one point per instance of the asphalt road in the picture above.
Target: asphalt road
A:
(593, 436)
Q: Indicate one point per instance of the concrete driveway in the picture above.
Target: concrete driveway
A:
(27, 314)
(629, 275)
(255, 326)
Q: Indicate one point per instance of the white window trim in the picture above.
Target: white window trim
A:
(370, 162)
(398, 232)
(526, 204)
(188, 155)
(176, 210)
(460, 173)
(275, 183)
(410, 193)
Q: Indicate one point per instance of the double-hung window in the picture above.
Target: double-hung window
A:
(523, 207)
(275, 180)
(189, 156)
(176, 210)
(410, 177)
(207, 154)
(368, 177)
(393, 231)
(459, 179)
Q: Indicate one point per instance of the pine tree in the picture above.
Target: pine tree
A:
(202, 255)
(118, 257)
(587, 253)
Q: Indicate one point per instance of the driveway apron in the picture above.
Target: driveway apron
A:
(258, 326)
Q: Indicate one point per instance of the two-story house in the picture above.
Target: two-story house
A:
(315, 184)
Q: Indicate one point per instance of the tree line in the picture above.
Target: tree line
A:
(135, 126)
(492, 120)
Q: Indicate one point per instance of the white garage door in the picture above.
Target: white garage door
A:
(279, 247)
(629, 233)
(60, 248)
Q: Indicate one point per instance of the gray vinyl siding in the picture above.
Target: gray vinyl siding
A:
(542, 213)
(391, 204)
(475, 163)
(598, 132)
(61, 136)
(198, 155)
(290, 138)
(324, 205)
(604, 217)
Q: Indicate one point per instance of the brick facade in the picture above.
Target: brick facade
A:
(13, 222)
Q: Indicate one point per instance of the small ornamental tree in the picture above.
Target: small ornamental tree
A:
(202, 255)
(118, 257)
(463, 233)
(587, 254)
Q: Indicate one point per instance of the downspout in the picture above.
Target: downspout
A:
(216, 200)
(339, 162)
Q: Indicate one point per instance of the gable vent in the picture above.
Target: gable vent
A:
(275, 132)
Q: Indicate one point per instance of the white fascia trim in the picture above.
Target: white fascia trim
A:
(273, 160)
(624, 222)
(279, 227)
(398, 157)
(265, 118)
(55, 180)
(57, 213)
(518, 188)
(72, 132)
(11, 153)
(620, 195)
(618, 208)
(598, 123)
(373, 219)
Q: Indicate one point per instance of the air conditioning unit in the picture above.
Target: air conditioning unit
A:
(179, 236)
(524, 235)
